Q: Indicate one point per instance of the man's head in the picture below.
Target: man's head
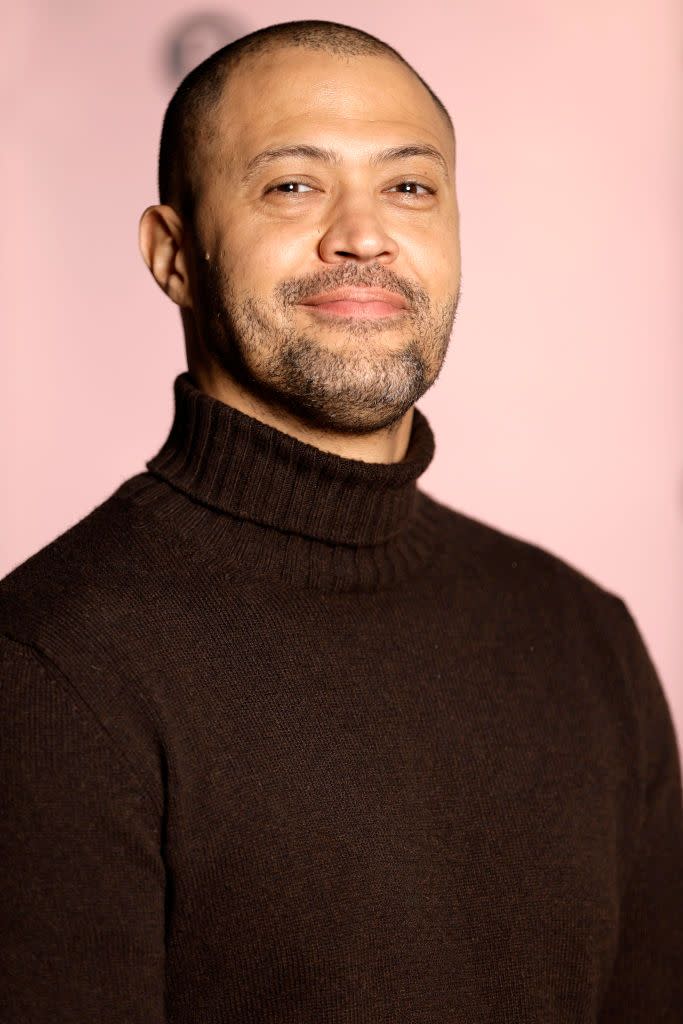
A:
(300, 167)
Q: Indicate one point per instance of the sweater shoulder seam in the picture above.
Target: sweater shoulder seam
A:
(51, 670)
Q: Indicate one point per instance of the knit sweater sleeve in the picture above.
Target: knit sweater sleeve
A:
(647, 979)
(81, 875)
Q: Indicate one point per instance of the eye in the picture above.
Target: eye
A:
(412, 188)
(291, 188)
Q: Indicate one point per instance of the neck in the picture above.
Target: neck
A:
(387, 445)
(243, 492)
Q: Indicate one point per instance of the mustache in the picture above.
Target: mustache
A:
(347, 275)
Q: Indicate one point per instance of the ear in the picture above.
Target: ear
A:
(161, 237)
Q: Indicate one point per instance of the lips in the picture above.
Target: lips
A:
(357, 302)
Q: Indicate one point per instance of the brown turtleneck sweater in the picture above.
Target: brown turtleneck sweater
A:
(286, 740)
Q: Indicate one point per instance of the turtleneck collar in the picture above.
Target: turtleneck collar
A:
(235, 464)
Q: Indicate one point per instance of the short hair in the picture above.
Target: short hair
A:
(187, 121)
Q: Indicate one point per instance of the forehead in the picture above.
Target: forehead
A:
(314, 96)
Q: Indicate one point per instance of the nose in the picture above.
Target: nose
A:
(355, 232)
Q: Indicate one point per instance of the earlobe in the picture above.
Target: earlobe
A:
(161, 245)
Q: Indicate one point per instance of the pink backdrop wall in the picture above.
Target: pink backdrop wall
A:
(558, 415)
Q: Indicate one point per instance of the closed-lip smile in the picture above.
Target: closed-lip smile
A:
(357, 302)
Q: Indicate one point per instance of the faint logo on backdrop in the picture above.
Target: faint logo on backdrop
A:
(189, 41)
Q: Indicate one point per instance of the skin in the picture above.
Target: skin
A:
(272, 232)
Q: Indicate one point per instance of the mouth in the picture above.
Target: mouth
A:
(359, 303)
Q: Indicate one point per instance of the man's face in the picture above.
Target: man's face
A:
(327, 264)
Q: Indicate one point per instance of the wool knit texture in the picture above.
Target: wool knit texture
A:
(287, 741)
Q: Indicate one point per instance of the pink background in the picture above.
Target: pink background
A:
(558, 414)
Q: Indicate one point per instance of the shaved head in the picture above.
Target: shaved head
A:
(189, 125)
(308, 229)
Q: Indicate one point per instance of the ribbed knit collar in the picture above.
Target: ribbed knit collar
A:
(238, 465)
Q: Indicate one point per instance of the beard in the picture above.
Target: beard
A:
(357, 382)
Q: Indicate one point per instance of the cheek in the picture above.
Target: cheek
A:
(262, 257)
(435, 259)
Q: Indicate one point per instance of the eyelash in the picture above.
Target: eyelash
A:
(429, 191)
(418, 184)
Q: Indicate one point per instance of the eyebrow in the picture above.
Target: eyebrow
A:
(333, 159)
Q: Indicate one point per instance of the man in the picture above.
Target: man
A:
(285, 738)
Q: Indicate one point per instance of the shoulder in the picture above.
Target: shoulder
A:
(522, 596)
(527, 593)
(506, 565)
(97, 592)
(519, 596)
(92, 564)
(68, 615)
